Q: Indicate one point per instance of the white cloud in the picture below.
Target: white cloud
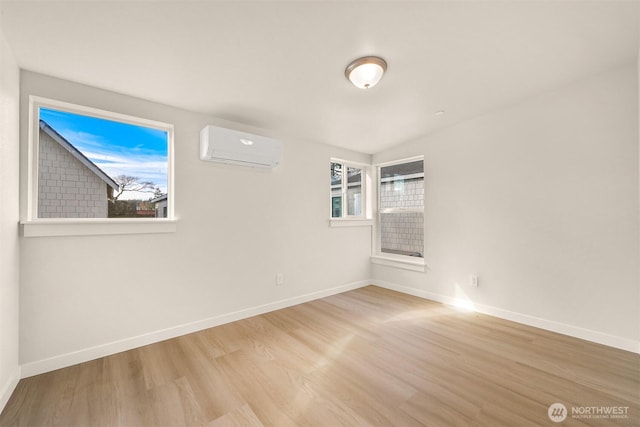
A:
(114, 161)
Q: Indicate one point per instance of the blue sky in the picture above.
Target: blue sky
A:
(117, 148)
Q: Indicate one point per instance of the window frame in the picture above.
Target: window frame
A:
(32, 226)
(389, 259)
(365, 217)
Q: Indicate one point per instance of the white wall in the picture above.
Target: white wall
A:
(539, 199)
(237, 228)
(9, 99)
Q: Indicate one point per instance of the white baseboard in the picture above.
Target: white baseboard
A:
(73, 358)
(8, 387)
(549, 325)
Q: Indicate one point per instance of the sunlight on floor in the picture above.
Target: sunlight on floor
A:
(462, 301)
(337, 347)
(307, 394)
(423, 313)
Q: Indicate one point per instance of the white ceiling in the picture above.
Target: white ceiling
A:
(280, 65)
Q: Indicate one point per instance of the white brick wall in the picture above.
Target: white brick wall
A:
(402, 194)
(66, 187)
(402, 232)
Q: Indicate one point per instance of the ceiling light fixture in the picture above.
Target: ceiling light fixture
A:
(246, 141)
(366, 72)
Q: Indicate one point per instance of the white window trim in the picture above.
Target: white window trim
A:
(350, 222)
(96, 227)
(407, 177)
(394, 260)
(400, 210)
(32, 226)
(365, 218)
(400, 261)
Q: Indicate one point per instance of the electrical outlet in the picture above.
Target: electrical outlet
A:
(279, 279)
(473, 281)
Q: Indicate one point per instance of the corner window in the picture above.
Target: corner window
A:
(401, 208)
(94, 166)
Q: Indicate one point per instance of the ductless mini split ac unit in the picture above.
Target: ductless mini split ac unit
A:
(239, 148)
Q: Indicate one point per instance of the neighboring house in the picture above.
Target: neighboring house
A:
(161, 206)
(402, 186)
(69, 184)
(354, 191)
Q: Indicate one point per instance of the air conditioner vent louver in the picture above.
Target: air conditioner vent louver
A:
(240, 148)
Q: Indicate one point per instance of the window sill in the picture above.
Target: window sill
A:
(347, 222)
(406, 263)
(95, 227)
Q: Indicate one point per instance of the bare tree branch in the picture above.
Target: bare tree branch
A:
(132, 183)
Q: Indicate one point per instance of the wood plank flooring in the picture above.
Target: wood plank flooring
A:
(365, 357)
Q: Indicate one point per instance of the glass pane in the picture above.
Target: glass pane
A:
(336, 207)
(336, 174)
(336, 190)
(402, 186)
(402, 233)
(354, 191)
(89, 167)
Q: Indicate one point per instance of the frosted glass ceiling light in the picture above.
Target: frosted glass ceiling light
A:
(366, 72)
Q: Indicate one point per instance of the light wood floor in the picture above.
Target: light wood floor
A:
(365, 357)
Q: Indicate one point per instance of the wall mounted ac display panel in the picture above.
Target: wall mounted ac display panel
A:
(223, 145)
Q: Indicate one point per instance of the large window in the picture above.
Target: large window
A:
(347, 190)
(88, 163)
(401, 208)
